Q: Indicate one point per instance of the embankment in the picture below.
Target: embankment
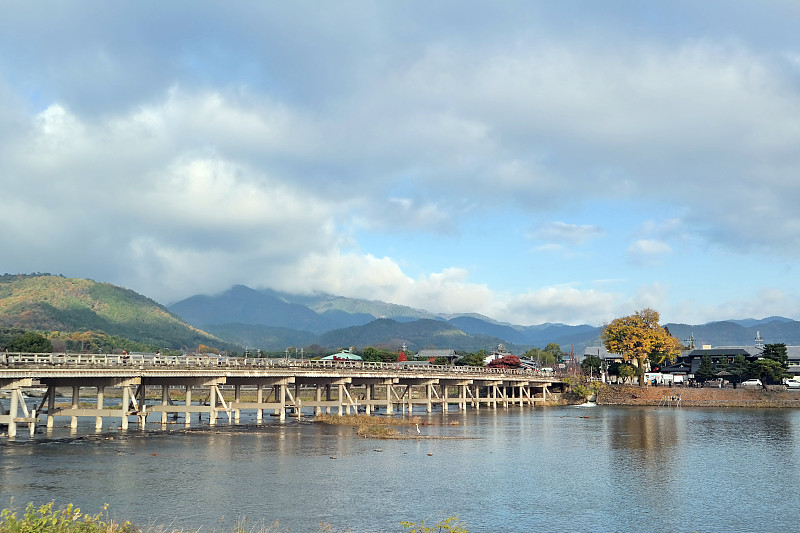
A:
(704, 397)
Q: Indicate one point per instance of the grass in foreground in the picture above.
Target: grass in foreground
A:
(70, 519)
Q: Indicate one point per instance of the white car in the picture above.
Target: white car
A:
(793, 383)
(752, 383)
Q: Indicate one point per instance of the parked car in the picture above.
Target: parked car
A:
(752, 383)
(793, 383)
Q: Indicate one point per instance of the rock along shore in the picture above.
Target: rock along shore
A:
(701, 397)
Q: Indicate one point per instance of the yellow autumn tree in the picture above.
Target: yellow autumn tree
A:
(639, 336)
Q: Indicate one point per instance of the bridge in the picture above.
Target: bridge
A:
(147, 384)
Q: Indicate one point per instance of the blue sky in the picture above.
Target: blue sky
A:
(531, 161)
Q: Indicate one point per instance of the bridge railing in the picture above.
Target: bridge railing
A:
(64, 360)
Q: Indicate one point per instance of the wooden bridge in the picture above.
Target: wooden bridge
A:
(278, 385)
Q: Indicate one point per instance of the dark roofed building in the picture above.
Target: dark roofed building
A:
(689, 362)
(430, 355)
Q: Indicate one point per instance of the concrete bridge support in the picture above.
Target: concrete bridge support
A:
(98, 420)
(259, 401)
(165, 401)
(276, 398)
(17, 403)
(187, 415)
(167, 407)
(237, 397)
(99, 412)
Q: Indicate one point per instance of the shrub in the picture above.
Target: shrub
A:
(451, 524)
(69, 519)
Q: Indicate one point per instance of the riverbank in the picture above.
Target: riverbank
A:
(701, 397)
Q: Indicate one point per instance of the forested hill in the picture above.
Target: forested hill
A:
(423, 333)
(62, 305)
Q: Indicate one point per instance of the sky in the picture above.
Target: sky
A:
(567, 162)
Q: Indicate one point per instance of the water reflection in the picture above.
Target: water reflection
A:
(601, 468)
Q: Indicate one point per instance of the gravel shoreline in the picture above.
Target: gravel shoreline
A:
(698, 397)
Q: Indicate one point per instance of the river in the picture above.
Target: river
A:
(518, 469)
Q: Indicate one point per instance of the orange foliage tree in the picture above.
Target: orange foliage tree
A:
(638, 336)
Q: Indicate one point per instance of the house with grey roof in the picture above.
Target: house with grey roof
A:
(432, 354)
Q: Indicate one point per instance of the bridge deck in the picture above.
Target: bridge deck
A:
(347, 386)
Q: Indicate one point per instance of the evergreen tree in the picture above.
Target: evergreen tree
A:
(706, 370)
(776, 352)
(739, 367)
(30, 343)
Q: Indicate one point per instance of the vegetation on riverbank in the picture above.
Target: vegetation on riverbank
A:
(376, 427)
(580, 389)
(70, 519)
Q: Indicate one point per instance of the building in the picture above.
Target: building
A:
(430, 355)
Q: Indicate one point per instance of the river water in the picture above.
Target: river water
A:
(518, 469)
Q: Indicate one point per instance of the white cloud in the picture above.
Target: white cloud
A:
(256, 145)
(561, 232)
(565, 304)
(648, 252)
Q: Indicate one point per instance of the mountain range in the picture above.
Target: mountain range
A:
(270, 320)
(276, 319)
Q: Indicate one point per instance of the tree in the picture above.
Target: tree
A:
(591, 365)
(776, 352)
(472, 359)
(739, 367)
(370, 353)
(30, 343)
(376, 355)
(706, 369)
(626, 371)
(638, 337)
(555, 350)
(507, 361)
(543, 358)
(767, 370)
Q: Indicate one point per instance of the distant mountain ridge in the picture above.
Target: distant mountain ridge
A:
(342, 321)
(272, 320)
(770, 330)
(259, 315)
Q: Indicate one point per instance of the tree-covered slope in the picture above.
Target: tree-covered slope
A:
(416, 335)
(59, 304)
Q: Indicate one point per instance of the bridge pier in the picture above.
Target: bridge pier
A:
(73, 421)
(317, 400)
(98, 420)
(51, 405)
(164, 402)
(126, 402)
(187, 408)
(187, 415)
(237, 397)
(100, 411)
(280, 399)
(259, 401)
(17, 403)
